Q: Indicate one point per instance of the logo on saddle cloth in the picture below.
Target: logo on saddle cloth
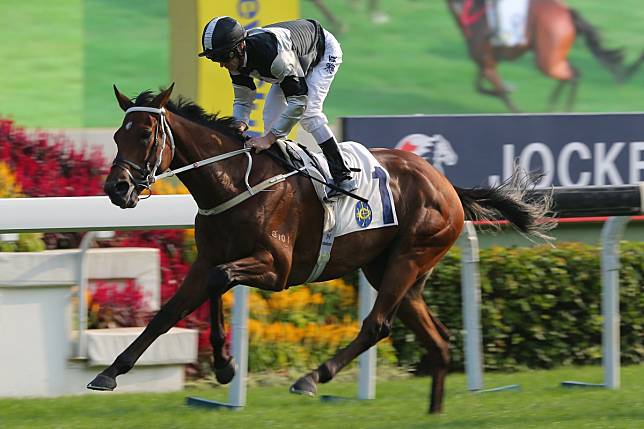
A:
(363, 214)
(436, 149)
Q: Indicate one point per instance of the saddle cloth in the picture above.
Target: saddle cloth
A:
(344, 215)
(508, 20)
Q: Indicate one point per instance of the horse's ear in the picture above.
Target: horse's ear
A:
(124, 102)
(163, 97)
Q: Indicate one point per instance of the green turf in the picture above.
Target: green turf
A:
(540, 403)
(126, 43)
(41, 73)
(61, 58)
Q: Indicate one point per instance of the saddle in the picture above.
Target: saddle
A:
(314, 164)
(344, 215)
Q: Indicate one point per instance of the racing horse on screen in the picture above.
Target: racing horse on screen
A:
(550, 32)
(244, 243)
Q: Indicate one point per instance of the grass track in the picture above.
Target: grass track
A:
(540, 403)
(418, 63)
(41, 73)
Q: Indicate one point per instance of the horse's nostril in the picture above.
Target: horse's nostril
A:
(122, 188)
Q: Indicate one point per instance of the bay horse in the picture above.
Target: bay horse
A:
(245, 245)
(551, 31)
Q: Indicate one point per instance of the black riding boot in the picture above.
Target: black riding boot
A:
(339, 171)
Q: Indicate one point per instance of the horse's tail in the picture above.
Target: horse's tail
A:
(612, 59)
(513, 201)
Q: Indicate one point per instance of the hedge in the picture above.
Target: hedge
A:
(540, 307)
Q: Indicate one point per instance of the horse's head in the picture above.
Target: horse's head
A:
(145, 145)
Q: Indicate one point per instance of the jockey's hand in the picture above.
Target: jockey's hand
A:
(241, 126)
(262, 143)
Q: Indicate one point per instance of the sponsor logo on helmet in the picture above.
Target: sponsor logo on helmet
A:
(436, 149)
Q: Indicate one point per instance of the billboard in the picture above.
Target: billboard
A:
(481, 150)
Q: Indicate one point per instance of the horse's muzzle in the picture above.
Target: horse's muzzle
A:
(122, 193)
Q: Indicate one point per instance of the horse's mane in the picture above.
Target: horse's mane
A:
(195, 113)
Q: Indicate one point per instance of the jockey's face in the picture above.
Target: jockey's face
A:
(234, 63)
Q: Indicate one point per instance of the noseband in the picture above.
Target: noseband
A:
(146, 173)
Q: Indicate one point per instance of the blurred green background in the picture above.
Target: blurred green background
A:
(61, 58)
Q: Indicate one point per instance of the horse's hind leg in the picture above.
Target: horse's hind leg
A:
(556, 93)
(572, 95)
(552, 43)
(413, 312)
(377, 325)
(400, 274)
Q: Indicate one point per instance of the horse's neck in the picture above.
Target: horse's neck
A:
(213, 183)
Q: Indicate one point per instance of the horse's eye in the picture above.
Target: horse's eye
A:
(145, 136)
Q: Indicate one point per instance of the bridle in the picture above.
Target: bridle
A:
(147, 173)
(148, 177)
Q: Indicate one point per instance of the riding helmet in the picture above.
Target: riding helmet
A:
(220, 36)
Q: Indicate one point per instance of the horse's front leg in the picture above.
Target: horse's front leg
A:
(258, 270)
(223, 364)
(190, 295)
(490, 73)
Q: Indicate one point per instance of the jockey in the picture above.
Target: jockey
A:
(300, 59)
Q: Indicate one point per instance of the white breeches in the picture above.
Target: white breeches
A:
(318, 81)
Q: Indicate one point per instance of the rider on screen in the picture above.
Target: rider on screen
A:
(507, 20)
(300, 59)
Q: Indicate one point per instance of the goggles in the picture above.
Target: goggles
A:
(219, 56)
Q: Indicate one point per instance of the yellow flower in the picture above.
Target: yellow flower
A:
(309, 336)
(258, 307)
(169, 187)
(8, 186)
(348, 295)
(293, 300)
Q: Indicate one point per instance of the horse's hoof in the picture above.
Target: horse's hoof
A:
(225, 374)
(304, 386)
(102, 382)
